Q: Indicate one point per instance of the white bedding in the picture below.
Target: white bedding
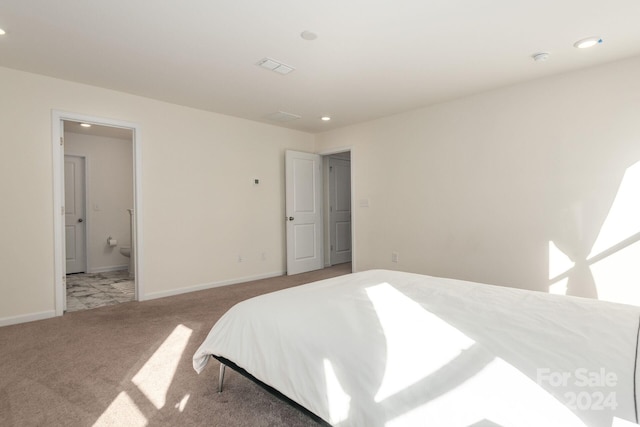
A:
(385, 348)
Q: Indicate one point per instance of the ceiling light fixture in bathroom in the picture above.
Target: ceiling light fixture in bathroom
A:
(85, 125)
(588, 42)
(325, 118)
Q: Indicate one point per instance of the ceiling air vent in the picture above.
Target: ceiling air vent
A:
(276, 66)
(282, 117)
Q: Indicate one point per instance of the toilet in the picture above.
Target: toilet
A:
(128, 251)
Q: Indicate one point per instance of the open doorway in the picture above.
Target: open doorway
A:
(97, 203)
(337, 208)
(319, 231)
(98, 187)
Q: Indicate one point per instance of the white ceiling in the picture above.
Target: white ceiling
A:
(372, 58)
(99, 130)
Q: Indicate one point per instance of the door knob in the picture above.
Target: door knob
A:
(80, 220)
(290, 218)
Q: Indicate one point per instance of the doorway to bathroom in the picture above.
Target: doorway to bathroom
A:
(98, 187)
(96, 203)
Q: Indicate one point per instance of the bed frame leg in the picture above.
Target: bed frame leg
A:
(221, 377)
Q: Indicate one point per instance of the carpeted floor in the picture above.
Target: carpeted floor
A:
(130, 365)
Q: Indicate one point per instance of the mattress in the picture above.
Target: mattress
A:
(388, 348)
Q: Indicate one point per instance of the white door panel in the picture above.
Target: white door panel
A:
(304, 180)
(305, 241)
(70, 242)
(75, 228)
(340, 210)
(303, 212)
(343, 236)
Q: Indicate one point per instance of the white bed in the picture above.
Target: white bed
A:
(385, 348)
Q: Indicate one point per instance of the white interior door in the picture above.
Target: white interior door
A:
(74, 209)
(303, 181)
(340, 210)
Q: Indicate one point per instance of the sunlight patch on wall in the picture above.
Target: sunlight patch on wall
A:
(122, 410)
(613, 259)
(617, 276)
(155, 377)
(395, 310)
(560, 287)
(339, 401)
(623, 220)
(559, 263)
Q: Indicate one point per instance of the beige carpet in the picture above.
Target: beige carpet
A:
(130, 365)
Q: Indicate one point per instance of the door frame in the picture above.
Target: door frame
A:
(57, 133)
(327, 153)
(85, 189)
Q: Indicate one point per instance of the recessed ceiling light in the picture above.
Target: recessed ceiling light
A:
(2, 32)
(308, 35)
(588, 42)
(85, 125)
(325, 118)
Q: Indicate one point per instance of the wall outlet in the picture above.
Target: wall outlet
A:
(240, 258)
(263, 256)
(394, 256)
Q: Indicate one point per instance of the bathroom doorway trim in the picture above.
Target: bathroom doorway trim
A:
(57, 132)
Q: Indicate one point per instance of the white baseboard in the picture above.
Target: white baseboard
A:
(111, 268)
(24, 318)
(201, 287)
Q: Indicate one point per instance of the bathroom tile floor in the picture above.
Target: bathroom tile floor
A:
(91, 290)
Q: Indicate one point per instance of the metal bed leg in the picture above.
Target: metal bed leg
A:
(221, 377)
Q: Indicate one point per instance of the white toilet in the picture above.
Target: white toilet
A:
(128, 251)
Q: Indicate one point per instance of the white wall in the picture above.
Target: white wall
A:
(109, 193)
(473, 189)
(476, 188)
(201, 208)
